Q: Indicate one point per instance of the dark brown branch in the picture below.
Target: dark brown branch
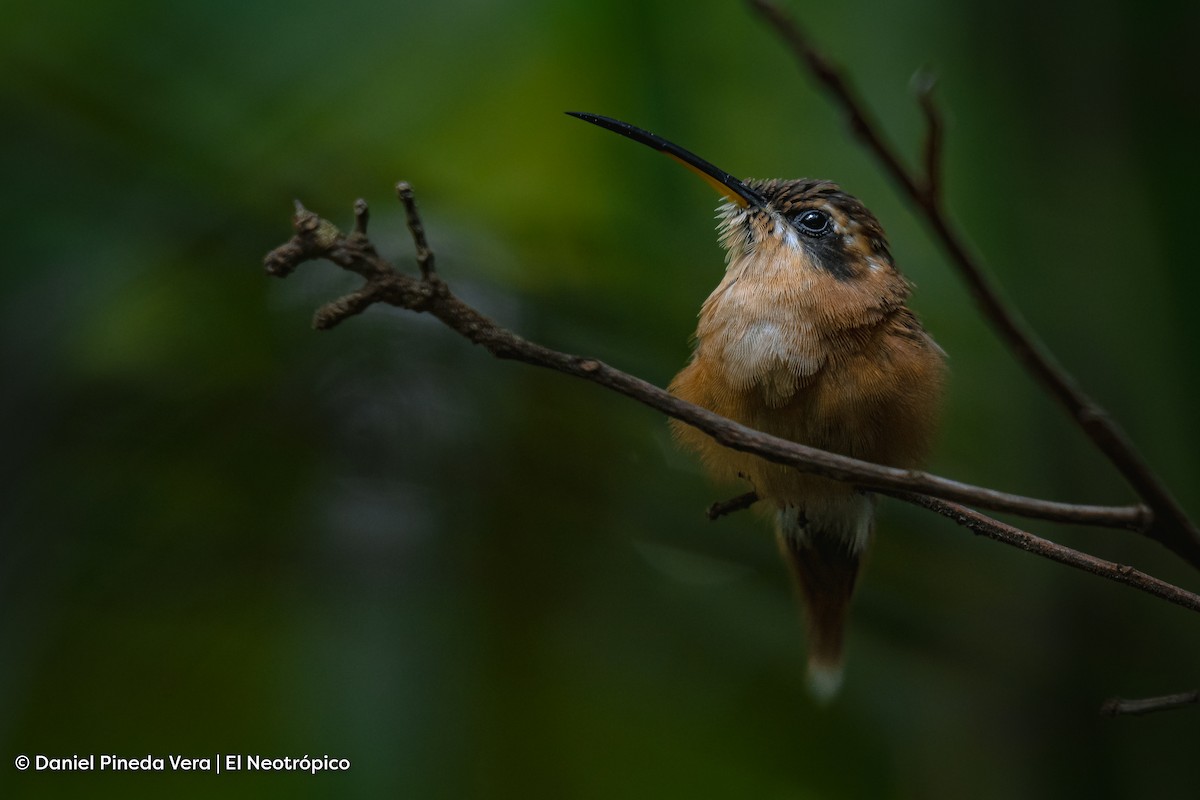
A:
(362, 216)
(840, 88)
(1171, 526)
(999, 531)
(1117, 706)
(994, 529)
(317, 238)
(416, 228)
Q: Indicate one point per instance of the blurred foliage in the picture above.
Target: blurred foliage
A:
(225, 533)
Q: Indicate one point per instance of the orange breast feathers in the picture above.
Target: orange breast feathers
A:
(794, 351)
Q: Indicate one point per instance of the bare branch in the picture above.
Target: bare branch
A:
(825, 72)
(999, 531)
(416, 228)
(430, 294)
(317, 238)
(1116, 706)
(1171, 526)
(362, 215)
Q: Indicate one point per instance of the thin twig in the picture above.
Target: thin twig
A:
(362, 216)
(854, 108)
(1116, 706)
(1171, 526)
(999, 531)
(316, 238)
(417, 228)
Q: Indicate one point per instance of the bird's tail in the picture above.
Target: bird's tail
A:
(824, 560)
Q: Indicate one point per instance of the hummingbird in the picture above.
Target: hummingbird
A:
(807, 337)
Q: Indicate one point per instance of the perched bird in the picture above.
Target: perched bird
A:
(807, 337)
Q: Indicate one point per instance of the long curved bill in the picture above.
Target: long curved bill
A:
(719, 179)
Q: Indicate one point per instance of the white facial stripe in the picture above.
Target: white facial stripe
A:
(790, 237)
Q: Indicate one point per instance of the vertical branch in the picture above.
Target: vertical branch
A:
(362, 215)
(924, 82)
(424, 254)
(1171, 526)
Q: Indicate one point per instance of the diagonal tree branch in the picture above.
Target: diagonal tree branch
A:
(1171, 525)
(316, 238)
(1000, 532)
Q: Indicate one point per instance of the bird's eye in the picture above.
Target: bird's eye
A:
(813, 222)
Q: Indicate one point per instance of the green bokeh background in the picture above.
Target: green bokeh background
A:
(225, 533)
